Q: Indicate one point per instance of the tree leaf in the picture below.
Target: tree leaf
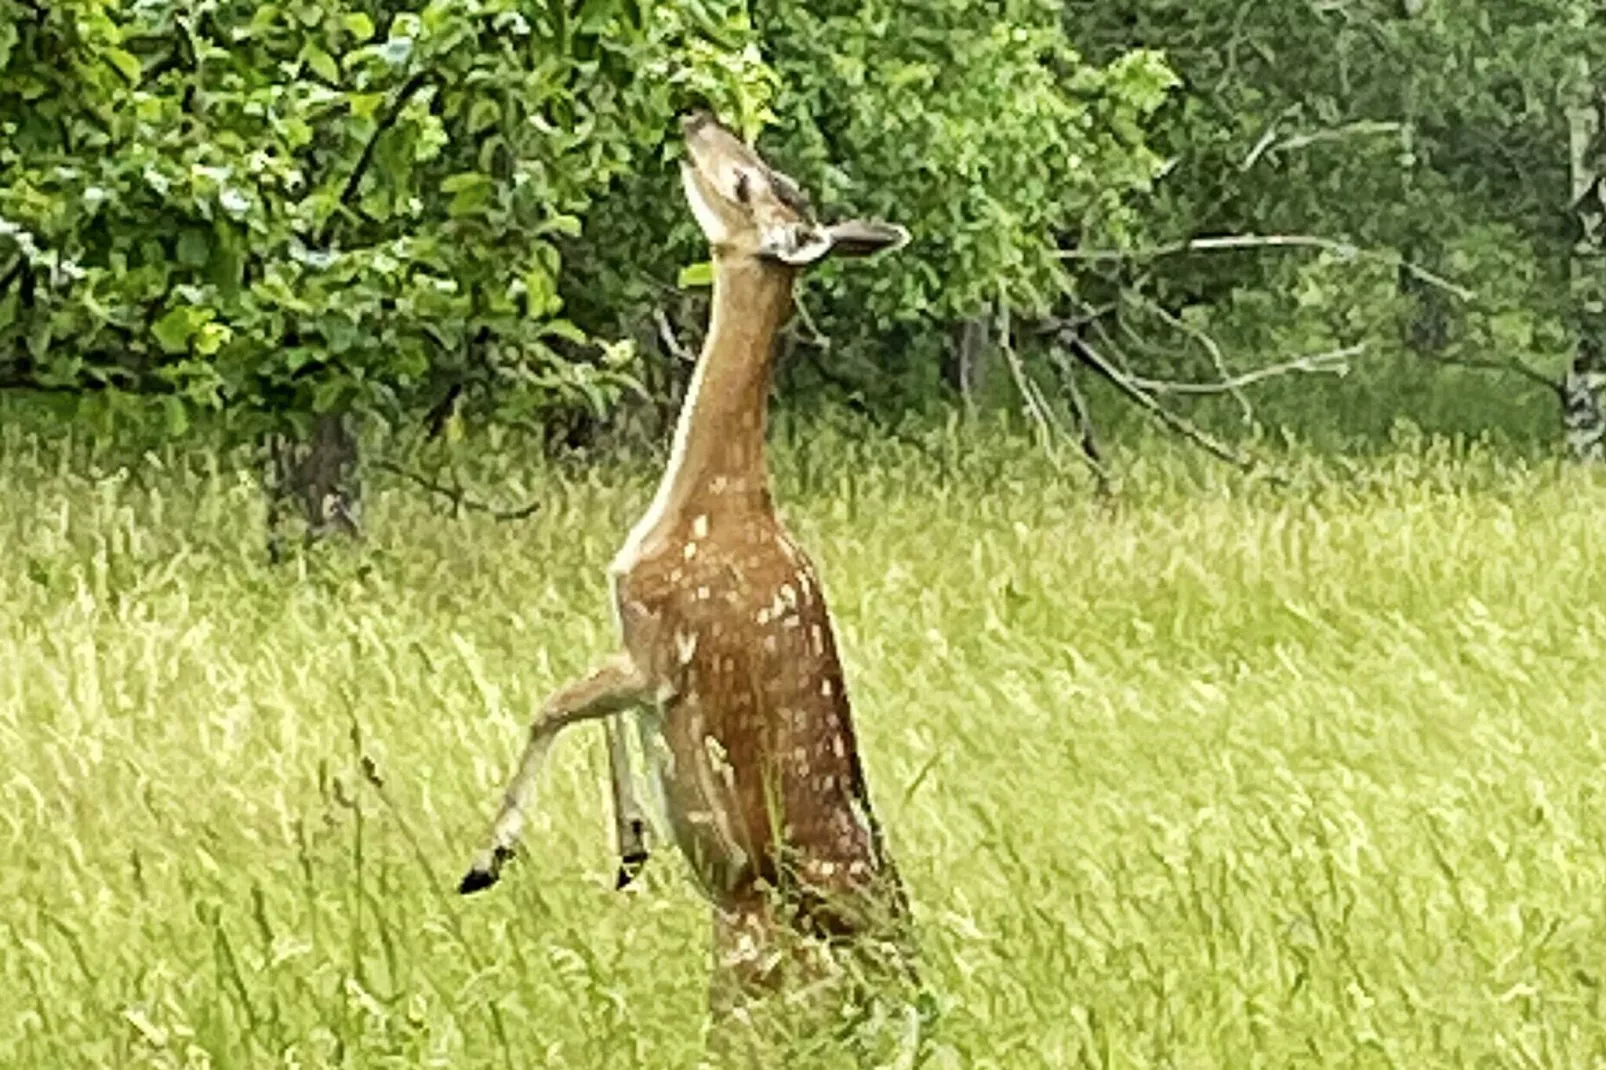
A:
(321, 63)
(177, 415)
(695, 275)
(174, 330)
(127, 64)
(359, 25)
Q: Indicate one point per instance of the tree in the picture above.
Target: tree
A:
(307, 211)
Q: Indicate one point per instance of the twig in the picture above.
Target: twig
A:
(457, 495)
(1268, 142)
(1039, 418)
(1273, 241)
(440, 413)
(366, 157)
(1092, 453)
(666, 335)
(1333, 361)
(1514, 366)
(816, 336)
(1184, 427)
(1228, 384)
(13, 270)
(1037, 405)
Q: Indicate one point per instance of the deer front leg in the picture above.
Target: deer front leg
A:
(617, 684)
(629, 820)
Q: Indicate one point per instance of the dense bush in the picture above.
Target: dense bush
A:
(332, 204)
(349, 204)
(325, 204)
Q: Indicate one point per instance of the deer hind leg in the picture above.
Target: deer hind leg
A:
(615, 685)
(748, 966)
(629, 820)
(777, 994)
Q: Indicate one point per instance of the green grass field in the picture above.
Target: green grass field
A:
(1220, 775)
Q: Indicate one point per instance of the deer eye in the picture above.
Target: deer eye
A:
(742, 190)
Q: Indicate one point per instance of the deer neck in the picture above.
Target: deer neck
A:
(717, 464)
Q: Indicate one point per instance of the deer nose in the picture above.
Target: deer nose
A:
(694, 120)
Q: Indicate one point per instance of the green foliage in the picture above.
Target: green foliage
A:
(322, 204)
(981, 130)
(1434, 131)
(325, 204)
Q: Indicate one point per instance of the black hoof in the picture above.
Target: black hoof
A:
(485, 872)
(476, 880)
(630, 868)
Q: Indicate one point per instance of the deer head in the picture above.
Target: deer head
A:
(747, 209)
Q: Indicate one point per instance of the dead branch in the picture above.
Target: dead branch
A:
(1333, 362)
(457, 495)
(667, 335)
(1228, 384)
(1092, 453)
(1036, 406)
(1268, 143)
(816, 337)
(1042, 410)
(1347, 250)
(1513, 366)
(1146, 401)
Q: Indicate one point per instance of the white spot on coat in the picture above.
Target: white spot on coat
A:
(699, 527)
(685, 646)
(690, 551)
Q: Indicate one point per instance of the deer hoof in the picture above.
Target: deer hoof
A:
(485, 872)
(476, 880)
(630, 868)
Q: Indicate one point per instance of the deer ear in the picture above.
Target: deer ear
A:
(801, 246)
(856, 238)
(861, 237)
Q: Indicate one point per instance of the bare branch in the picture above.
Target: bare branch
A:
(366, 157)
(1268, 143)
(457, 495)
(1042, 410)
(1092, 453)
(816, 336)
(1513, 366)
(1334, 362)
(1036, 406)
(1344, 249)
(1228, 384)
(666, 335)
(1182, 426)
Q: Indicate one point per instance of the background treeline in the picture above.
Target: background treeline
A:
(303, 214)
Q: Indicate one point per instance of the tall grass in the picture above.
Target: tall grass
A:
(1217, 775)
